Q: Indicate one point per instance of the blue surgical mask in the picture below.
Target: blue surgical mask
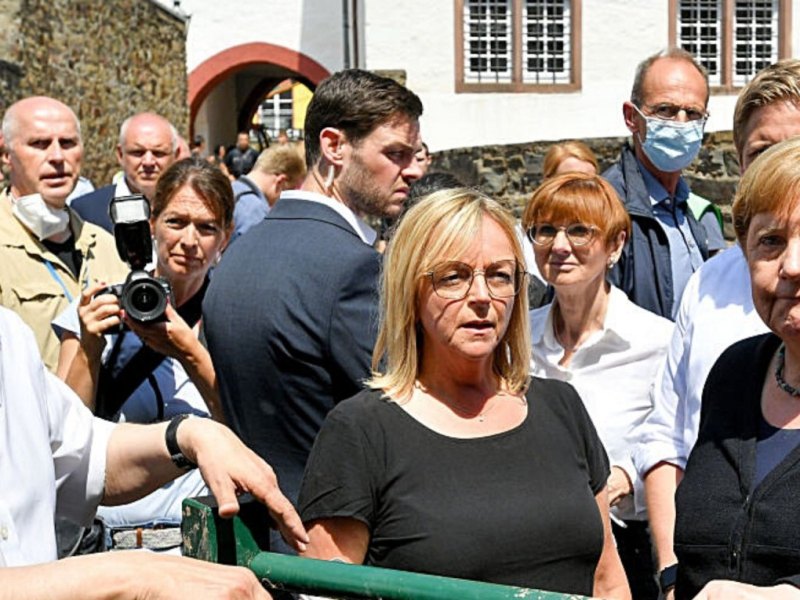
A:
(671, 145)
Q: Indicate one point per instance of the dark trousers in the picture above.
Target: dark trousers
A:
(635, 550)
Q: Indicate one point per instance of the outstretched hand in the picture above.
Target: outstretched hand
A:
(230, 468)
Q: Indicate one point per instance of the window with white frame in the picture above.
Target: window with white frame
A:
(700, 31)
(276, 113)
(517, 45)
(755, 38)
(546, 36)
(487, 41)
(732, 39)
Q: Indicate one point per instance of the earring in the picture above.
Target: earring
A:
(329, 178)
(611, 262)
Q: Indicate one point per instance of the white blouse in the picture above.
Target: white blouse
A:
(613, 372)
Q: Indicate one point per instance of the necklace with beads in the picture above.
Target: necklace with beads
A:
(791, 390)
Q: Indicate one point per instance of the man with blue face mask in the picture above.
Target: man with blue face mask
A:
(666, 115)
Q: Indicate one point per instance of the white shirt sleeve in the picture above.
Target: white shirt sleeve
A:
(662, 435)
(78, 442)
(68, 320)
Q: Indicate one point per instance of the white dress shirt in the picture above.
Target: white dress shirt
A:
(52, 451)
(613, 372)
(367, 234)
(716, 311)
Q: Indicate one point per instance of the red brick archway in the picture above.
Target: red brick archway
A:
(214, 70)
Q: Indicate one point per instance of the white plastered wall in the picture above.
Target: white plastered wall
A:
(616, 36)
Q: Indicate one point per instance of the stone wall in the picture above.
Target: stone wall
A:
(511, 173)
(107, 59)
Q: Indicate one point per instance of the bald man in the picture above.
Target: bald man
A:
(47, 252)
(148, 145)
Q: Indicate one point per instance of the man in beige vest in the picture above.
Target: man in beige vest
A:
(48, 254)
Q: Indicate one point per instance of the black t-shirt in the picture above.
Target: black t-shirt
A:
(67, 252)
(515, 508)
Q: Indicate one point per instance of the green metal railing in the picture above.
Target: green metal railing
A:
(239, 541)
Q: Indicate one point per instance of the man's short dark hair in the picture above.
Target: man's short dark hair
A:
(430, 183)
(356, 102)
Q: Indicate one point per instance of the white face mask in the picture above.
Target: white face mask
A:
(39, 217)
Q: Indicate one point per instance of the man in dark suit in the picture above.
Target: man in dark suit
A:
(148, 145)
(290, 314)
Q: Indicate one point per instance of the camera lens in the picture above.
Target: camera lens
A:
(144, 300)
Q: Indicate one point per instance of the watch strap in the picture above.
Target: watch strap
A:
(667, 577)
(171, 438)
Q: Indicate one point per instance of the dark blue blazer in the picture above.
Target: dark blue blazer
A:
(93, 207)
(290, 317)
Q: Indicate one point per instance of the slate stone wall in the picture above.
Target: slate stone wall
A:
(107, 59)
(511, 173)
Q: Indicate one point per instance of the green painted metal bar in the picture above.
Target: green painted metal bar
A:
(357, 581)
(243, 539)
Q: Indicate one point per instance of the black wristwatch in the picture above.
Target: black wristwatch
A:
(175, 452)
(666, 578)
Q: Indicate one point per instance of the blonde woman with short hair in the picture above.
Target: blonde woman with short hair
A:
(453, 461)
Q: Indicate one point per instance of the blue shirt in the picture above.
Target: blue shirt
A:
(684, 253)
(251, 206)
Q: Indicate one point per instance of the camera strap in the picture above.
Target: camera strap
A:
(115, 385)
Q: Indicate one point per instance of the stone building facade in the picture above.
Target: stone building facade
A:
(512, 172)
(107, 59)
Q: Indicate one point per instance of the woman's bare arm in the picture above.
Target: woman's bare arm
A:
(609, 578)
(338, 538)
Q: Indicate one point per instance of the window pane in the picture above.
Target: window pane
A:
(699, 30)
(487, 41)
(755, 38)
(547, 41)
(276, 112)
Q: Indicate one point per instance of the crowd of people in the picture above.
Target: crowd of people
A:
(599, 398)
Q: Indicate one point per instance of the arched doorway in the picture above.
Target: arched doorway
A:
(225, 89)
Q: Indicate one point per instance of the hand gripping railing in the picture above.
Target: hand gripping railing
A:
(240, 540)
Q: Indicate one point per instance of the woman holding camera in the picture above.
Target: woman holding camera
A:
(154, 371)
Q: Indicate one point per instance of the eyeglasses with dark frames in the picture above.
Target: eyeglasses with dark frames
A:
(670, 112)
(578, 234)
(452, 280)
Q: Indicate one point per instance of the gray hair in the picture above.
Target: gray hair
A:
(123, 129)
(637, 97)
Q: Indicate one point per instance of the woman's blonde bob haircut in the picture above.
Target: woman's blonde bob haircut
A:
(439, 228)
(579, 197)
(770, 185)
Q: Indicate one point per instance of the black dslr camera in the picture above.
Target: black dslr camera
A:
(143, 297)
